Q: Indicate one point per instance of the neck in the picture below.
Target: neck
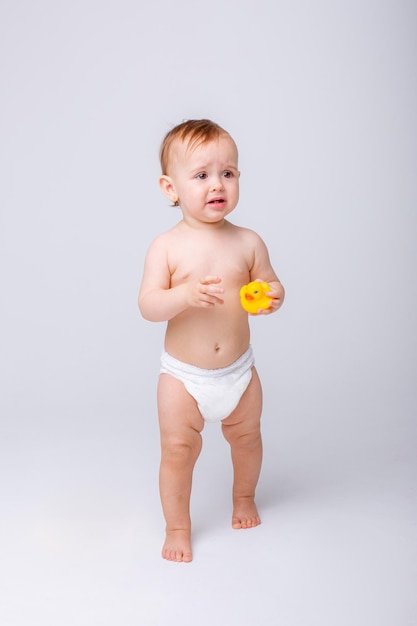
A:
(209, 226)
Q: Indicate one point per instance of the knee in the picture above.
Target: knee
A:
(250, 438)
(181, 452)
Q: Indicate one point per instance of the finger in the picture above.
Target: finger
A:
(212, 291)
(209, 280)
(212, 299)
(212, 295)
(210, 303)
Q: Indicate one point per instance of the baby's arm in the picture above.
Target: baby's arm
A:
(159, 302)
(263, 271)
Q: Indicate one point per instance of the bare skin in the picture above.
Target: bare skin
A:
(242, 430)
(180, 425)
(192, 277)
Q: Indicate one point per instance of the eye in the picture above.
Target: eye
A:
(227, 174)
(201, 176)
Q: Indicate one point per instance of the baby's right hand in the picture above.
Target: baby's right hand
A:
(204, 293)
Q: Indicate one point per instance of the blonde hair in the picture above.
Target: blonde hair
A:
(195, 131)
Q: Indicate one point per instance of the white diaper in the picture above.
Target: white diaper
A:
(217, 392)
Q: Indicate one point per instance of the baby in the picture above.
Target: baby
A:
(192, 277)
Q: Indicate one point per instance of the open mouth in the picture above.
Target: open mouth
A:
(216, 201)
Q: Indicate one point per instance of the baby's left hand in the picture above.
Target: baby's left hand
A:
(277, 295)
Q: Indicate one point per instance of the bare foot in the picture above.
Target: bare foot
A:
(177, 546)
(245, 514)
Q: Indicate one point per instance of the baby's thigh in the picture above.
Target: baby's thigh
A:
(178, 413)
(247, 415)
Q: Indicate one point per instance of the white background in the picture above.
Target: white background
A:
(321, 99)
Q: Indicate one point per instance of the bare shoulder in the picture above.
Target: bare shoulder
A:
(247, 236)
(242, 231)
(163, 241)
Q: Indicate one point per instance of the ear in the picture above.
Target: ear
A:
(167, 187)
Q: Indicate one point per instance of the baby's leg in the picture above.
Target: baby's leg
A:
(242, 430)
(180, 426)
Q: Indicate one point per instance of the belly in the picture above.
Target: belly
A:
(208, 338)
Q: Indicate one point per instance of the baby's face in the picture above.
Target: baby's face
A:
(205, 179)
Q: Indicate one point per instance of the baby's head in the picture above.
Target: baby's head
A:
(198, 158)
(187, 136)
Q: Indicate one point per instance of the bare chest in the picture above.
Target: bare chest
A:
(196, 259)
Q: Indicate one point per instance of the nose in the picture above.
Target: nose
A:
(217, 183)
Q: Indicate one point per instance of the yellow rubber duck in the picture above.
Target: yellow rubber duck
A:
(253, 298)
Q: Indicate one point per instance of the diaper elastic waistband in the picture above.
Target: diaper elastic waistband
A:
(169, 364)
